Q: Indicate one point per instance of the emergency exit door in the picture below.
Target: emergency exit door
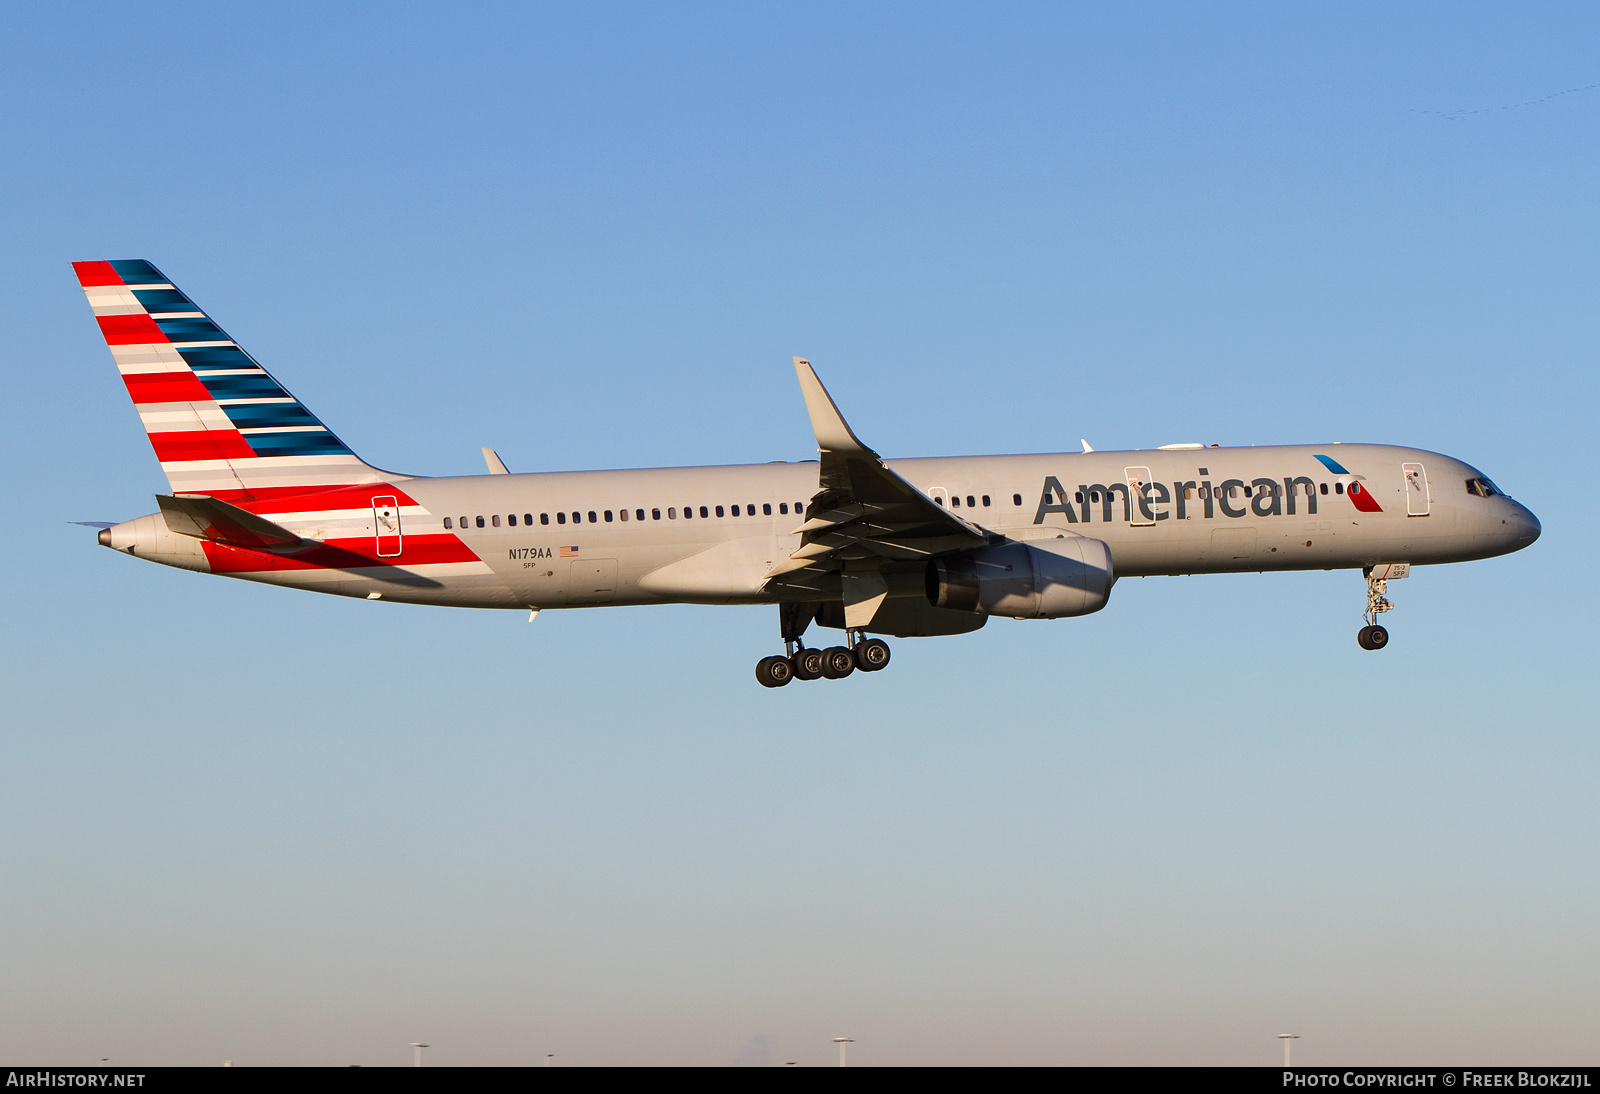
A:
(386, 524)
(1139, 487)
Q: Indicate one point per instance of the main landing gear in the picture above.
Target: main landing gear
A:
(1372, 636)
(833, 663)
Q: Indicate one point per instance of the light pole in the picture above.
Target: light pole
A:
(1287, 1039)
(841, 1042)
(419, 1046)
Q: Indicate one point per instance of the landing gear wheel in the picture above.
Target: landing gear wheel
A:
(872, 655)
(807, 664)
(837, 662)
(774, 672)
(1361, 637)
(1377, 637)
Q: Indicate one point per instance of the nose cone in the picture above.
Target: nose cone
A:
(1525, 523)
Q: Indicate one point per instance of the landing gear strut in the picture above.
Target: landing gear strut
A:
(802, 663)
(1372, 636)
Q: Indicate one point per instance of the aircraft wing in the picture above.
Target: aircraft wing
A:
(863, 515)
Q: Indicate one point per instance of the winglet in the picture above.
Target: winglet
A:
(497, 466)
(1085, 444)
(833, 432)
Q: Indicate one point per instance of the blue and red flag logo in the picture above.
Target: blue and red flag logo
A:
(1357, 493)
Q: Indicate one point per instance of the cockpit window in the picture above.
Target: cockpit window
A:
(1483, 488)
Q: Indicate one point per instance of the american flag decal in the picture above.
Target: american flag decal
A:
(569, 552)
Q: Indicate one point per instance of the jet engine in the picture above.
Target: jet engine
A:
(1042, 580)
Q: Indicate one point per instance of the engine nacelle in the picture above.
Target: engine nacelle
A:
(1042, 580)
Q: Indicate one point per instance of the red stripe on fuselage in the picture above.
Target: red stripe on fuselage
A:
(1362, 500)
(166, 387)
(328, 499)
(201, 444)
(287, 499)
(340, 554)
(96, 273)
(129, 330)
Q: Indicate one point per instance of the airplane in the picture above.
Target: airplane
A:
(263, 490)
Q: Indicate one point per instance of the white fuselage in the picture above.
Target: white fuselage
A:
(1186, 513)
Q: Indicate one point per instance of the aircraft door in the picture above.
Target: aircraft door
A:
(1139, 486)
(1417, 500)
(386, 524)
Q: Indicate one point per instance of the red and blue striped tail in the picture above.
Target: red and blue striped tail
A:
(219, 424)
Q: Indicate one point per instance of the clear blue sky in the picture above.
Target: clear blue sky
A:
(242, 822)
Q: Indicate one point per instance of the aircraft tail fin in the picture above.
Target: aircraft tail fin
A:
(219, 423)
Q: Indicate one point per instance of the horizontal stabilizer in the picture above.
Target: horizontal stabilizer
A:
(206, 517)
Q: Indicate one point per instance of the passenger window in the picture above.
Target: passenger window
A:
(1338, 488)
(703, 512)
(527, 518)
(463, 523)
(608, 516)
(495, 520)
(591, 517)
(638, 514)
(783, 507)
(511, 519)
(1188, 493)
(719, 510)
(544, 518)
(986, 501)
(972, 503)
(561, 518)
(955, 501)
(480, 522)
(799, 507)
(672, 513)
(688, 512)
(766, 508)
(1324, 488)
(1247, 491)
(1094, 495)
(1016, 499)
(736, 510)
(1077, 496)
(655, 514)
(938, 501)
(447, 524)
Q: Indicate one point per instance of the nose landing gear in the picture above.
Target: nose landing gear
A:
(1372, 636)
